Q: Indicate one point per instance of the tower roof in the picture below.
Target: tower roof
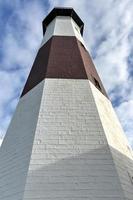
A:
(59, 11)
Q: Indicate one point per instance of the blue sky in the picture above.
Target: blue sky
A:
(108, 35)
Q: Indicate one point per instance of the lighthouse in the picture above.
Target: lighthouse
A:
(65, 141)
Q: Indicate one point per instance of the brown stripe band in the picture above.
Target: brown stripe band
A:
(62, 57)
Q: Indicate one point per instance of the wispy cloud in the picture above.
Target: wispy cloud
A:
(108, 35)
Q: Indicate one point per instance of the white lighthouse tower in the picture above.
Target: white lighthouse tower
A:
(65, 141)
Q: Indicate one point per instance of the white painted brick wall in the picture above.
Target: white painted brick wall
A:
(16, 148)
(121, 151)
(70, 156)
